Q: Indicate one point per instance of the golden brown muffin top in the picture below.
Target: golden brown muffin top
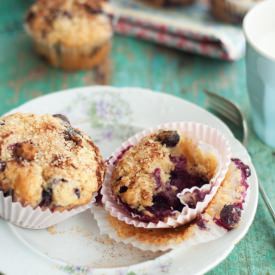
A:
(71, 23)
(46, 162)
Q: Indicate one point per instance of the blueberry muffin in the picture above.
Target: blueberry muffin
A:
(71, 34)
(224, 210)
(168, 3)
(231, 11)
(46, 162)
(147, 177)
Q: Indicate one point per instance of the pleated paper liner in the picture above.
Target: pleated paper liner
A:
(35, 218)
(207, 227)
(207, 138)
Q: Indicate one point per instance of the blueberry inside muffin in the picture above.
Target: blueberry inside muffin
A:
(46, 162)
(147, 177)
(230, 215)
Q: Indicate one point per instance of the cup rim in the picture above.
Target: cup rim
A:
(246, 32)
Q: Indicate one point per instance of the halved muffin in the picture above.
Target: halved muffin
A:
(148, 177)
(222, 214)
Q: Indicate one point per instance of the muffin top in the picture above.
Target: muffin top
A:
(70, 23)
(148, 176)
(46, 162)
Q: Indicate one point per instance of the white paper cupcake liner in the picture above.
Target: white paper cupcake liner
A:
(106, 229)
(28, 217)
(204, 136)
(231, 192)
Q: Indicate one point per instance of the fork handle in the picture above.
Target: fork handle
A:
(267, 201)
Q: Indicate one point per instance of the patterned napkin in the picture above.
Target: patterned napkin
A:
(191, 29)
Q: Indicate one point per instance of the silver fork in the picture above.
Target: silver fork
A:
(229, 111)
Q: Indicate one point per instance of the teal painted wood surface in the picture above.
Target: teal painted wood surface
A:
(137, 63)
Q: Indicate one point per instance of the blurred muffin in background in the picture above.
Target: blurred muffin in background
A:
(71, 34)
(167, 3)
(231, 11)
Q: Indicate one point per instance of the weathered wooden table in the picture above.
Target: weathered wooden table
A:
(136, 63)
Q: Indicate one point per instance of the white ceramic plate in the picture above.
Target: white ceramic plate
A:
(110, 115)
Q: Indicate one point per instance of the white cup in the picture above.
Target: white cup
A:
(259, 29)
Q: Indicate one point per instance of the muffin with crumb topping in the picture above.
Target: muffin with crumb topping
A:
(46, 163)
(71, 34)
(148, 177)
(231, 11)
(168, 3)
